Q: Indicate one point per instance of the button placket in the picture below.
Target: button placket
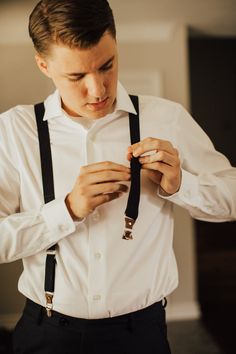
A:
(97, 243)
(97, 268)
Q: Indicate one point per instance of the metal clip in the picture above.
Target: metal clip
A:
(51, 252)
(127, 235)
(49, 305)
(129, 222)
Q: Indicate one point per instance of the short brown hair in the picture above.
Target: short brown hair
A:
(75, 23)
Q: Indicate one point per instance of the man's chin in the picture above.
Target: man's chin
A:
(97, 114)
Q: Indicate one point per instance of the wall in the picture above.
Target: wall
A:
(20, 82)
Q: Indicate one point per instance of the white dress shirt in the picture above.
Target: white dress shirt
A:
(98, 274)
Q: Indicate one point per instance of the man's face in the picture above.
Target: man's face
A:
(86, 78)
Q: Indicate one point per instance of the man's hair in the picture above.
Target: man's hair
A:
(74, 23)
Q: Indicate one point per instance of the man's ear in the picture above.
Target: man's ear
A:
(42, 64)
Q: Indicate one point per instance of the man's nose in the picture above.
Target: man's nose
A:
(95, 86)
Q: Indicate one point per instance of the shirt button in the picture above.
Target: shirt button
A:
(209, 209)
(97, 255)
(96, 297)
(187, 194)
(95, 215)
(63, 227)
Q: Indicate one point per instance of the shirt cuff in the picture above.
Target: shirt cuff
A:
(58, 219)
(188, 192)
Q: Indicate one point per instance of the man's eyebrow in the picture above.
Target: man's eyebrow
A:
(103, 66)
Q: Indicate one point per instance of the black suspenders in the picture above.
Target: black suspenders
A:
(49, 195)
(131, 212)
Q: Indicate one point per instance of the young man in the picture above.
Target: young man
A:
(100, 289)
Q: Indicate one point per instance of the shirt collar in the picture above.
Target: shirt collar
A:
(53, 107)
(123, 101)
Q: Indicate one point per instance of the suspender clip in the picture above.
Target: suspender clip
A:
(129, 222)
(49, 305)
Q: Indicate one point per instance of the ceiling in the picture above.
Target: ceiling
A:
(203, 17)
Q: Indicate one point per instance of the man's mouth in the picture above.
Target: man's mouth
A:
(96, 106)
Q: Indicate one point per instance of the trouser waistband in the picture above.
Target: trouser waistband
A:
(38, 312)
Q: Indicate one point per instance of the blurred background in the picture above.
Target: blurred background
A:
(183, 50)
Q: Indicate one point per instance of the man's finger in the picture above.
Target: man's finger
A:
(105, 165)
(106, 176)
(103, 188)
(150, 144)
(105, 198)
(160, 156)
(160, 167)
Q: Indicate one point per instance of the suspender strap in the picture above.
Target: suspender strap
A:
(48, 191)
(45, 154)
(131, 212)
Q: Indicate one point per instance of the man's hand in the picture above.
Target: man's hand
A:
(163, 163)
(96, 184)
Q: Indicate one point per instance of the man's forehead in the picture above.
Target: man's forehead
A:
(84, 58)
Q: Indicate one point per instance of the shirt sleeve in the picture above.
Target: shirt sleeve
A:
(208, 187)
(23, 234)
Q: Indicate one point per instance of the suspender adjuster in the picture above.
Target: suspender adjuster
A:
(49, 306)
(129, 222)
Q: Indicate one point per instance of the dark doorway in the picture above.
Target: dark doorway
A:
(213, 105)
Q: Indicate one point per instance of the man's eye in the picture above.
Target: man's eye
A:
(106, 68)
(76, 79)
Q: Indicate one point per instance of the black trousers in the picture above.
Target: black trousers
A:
(140, 332)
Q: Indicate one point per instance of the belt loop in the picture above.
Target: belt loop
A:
(164, 302)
